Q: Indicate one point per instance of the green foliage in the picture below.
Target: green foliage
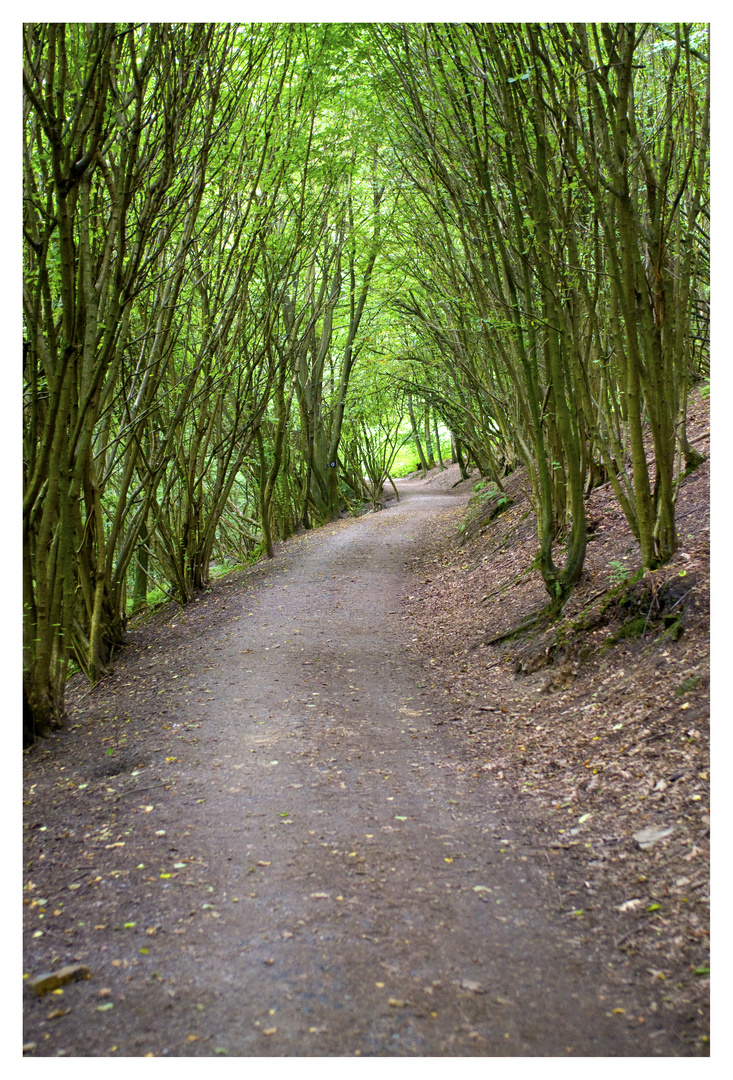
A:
(484, 490)
(406, 458)
(247, 247)
(619, 572)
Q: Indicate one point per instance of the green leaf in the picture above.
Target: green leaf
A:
(704, 970)
(654, 907)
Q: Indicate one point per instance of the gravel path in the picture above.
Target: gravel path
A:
(353, 883)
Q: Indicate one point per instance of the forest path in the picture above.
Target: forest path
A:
(352, 886)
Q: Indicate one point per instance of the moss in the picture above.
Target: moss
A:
(674, 628)
(687, 685)
(693, 460)
(630, 629)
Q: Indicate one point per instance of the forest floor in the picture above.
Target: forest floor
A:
(387, 836)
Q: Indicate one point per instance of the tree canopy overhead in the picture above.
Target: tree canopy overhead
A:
(259, 257)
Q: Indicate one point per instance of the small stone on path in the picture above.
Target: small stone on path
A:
(650, 836)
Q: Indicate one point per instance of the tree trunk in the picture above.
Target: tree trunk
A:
(428, 438)
(458, 456)
(437, 441)
(416, 436)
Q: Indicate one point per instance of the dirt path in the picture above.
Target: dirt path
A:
(283, 852)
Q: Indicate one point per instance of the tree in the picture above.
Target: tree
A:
(248, 248)
(564, 225)
(120, 125)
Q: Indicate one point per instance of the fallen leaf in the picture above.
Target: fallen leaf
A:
(53, 979)
(647, 837)
(397, 1003)
(629, 905)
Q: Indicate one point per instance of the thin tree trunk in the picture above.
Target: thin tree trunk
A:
(437, 441)
(416, 436)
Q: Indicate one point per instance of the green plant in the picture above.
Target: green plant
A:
(485, 489)
(687, 685)
(619, 572)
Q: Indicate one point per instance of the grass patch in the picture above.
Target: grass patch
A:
(687, 686)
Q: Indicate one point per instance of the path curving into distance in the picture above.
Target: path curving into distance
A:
(346, 884)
